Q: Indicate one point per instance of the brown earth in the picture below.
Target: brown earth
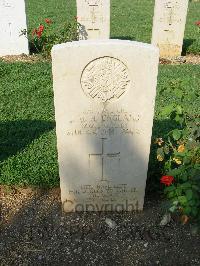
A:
(188, 59)
(35, 231)
(22, 58)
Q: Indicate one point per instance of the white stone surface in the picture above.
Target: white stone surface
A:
(94, 17)
(169, 25)
(104, 95)
(12, 21)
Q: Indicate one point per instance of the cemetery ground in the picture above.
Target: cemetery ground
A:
(34, 231)
(33, 228)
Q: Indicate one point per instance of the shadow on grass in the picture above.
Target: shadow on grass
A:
(186, 44)
(16, 135)
(129, 38)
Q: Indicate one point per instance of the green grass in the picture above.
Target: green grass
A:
(28, 153)
(27, 136)
(130, 19)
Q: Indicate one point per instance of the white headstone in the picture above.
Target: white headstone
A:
(169, 25)
(12, 22)
(104, 95)
(94, 18)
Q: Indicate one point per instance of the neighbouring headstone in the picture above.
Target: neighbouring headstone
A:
(169, 25)
(12, 22)
(104, 94)
(94, 19)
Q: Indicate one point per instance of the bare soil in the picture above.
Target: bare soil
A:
(35, 231)
(188, 59)
(22, 58)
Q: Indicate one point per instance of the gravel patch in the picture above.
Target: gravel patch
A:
(188, 59)
(35, 231)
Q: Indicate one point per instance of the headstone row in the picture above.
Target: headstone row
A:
(94, 19)
(168, 23)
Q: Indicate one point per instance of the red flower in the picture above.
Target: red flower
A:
(197, 23)
(39, 33)
(48, 21)
(167, 180)
(41, 28)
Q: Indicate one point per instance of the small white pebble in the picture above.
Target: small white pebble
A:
(110, 223)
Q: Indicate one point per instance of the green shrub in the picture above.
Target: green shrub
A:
(179, 154)
(43, 37)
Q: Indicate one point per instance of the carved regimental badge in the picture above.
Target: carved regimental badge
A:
(105, 79)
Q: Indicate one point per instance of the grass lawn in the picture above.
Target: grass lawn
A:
(27, 129)
(130, 19)
(28, 153)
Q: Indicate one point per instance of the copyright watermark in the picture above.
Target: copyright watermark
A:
(69, 206)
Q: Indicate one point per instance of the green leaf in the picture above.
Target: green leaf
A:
(166, 149)
(179, 118)
(187, 210)
(179, 191)
(167, 110)
(194, 211)
(178, 93)
(192, 203)
(189, 194)
(175, 172)
(197, 166)
(176, 134)
(186, 185)
(186, 160)
(195, 187)
(171, 194)
(169, 189)
(182, 200)
(175, 202)
(179, 154)
(179, 110)
(184, 176)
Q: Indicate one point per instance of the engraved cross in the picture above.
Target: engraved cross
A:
(10, 32)
(171, 14)
(103, 157)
